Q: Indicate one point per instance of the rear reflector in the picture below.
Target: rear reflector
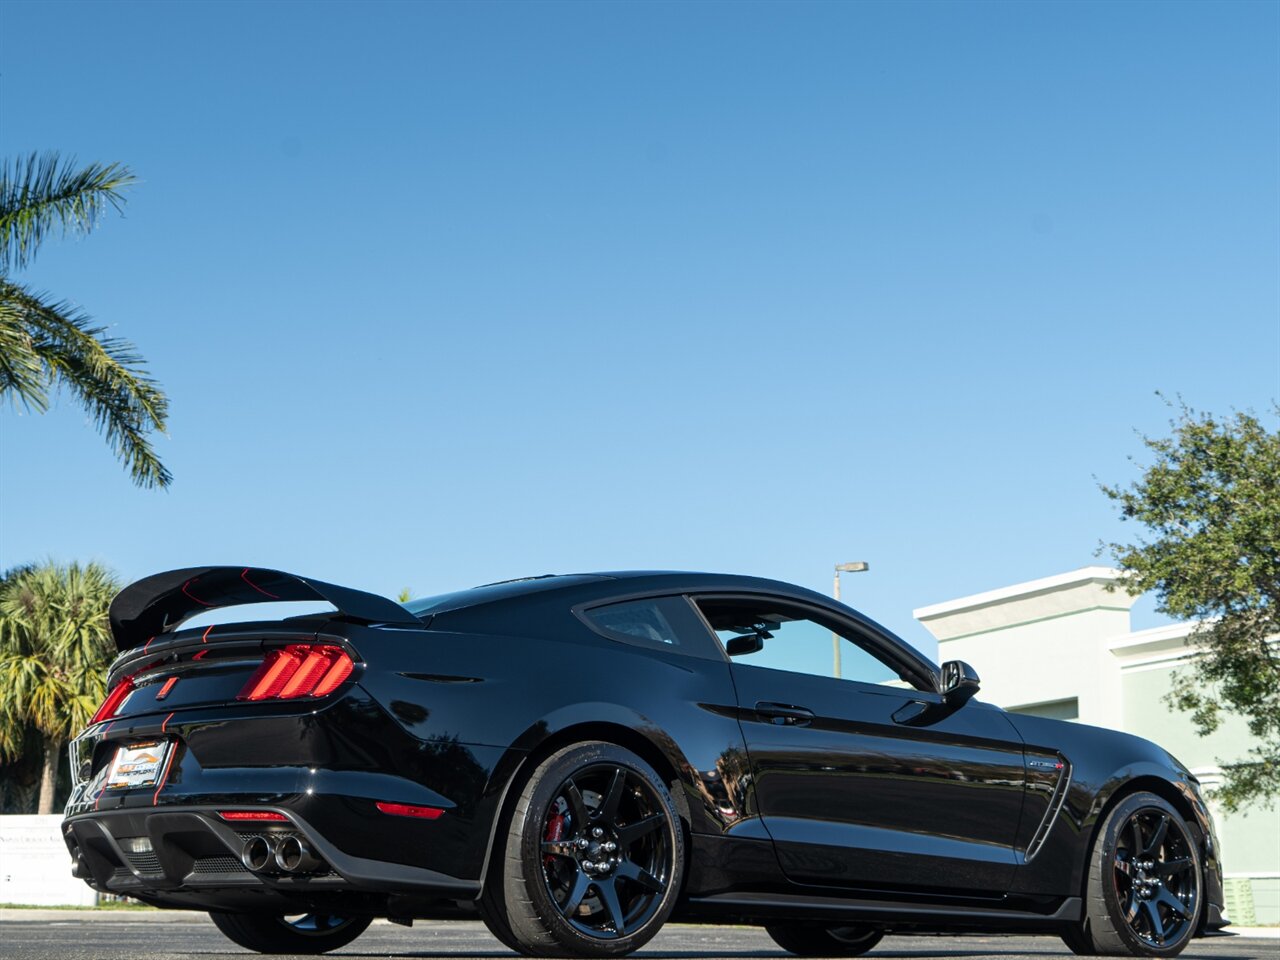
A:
(298, 670)
(252, 815)
(115, 699)
(409, 810)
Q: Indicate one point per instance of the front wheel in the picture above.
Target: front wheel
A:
(594, 859)
(271, 933)
(1144, 891)
(815, 940)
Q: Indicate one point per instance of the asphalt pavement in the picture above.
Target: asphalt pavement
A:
(121, 935)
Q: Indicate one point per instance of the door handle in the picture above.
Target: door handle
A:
(784, 713)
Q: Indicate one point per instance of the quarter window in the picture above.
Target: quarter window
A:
(659, 623)
(637, 620)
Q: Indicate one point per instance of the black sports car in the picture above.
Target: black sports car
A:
(580, 759)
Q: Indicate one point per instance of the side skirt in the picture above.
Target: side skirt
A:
(895, 915)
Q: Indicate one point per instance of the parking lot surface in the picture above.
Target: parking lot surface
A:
(50, 935)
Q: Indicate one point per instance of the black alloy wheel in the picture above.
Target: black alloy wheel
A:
(1145, 880)
(309, 933)
(595, 856)
(1155, 876)
(608, 863)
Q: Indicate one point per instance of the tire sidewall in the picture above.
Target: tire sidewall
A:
(542, 789)
(819, 940)
(271, 933)
(1107, 851)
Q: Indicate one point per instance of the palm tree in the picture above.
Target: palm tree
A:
(45, 343)
(55, 647)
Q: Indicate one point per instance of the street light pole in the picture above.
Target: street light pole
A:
(858, 566)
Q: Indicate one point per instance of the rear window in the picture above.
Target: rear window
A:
(491, 592)
(659, 623)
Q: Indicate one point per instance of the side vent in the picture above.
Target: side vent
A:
(1056, 799)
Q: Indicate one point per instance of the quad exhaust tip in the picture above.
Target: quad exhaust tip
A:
(257, 854)
(294, 855)
(288, 854)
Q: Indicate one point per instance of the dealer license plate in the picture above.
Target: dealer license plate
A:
(137, 765)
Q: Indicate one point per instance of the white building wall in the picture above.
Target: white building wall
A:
(35, 868)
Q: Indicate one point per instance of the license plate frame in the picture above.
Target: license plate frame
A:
(138, 764)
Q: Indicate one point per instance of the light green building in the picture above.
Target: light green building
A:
(1063, 647)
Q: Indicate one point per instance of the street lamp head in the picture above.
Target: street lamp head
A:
(858, 566)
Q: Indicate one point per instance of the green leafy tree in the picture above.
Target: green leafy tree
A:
(45, 343)
(1210, 503)
(55, 647)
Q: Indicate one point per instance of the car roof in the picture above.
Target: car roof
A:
(572, 590)
(602, 585)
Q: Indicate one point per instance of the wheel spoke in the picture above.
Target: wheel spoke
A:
(1152, 913)
(609, 894)
(640, 876)
(1135, 842)
(576, 807)
(1173, 867)
(608, 809)
(641, 828)
(1131, 908)
(1175, 905)
(1157, 837)
(581, 884)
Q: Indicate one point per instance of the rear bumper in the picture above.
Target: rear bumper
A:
(326, 769)
(194, 860)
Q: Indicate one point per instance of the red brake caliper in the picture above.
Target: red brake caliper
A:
(557, 823)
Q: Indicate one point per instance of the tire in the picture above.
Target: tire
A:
(272, 933)
(593, 857)
(812, 940)
(1078, 940)
(1145, 885)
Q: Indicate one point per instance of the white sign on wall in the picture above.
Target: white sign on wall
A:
(35, 867)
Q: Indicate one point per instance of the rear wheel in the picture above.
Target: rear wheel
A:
(813, 940)
(593, 859)
(272, 933)
(1143, 896)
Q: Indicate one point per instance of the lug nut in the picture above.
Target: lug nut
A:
(583, 843)
(610, 847)
(597, 832)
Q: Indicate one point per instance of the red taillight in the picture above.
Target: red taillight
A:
(299, 670)
(114, 700)
(410, 810)
(340, 670)
(252, 815)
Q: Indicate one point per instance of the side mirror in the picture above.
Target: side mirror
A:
(959, 683)
(740, 646)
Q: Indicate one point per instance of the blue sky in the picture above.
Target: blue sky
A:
(444, 294)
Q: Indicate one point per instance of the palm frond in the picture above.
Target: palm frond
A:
(44, 192)
(105, 374)
(22, 376)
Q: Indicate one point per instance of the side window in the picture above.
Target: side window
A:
(783, 638)
(662, 623)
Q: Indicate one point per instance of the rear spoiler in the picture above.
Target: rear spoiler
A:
(160, 603)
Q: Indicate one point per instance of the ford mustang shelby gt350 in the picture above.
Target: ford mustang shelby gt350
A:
(579, 759)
